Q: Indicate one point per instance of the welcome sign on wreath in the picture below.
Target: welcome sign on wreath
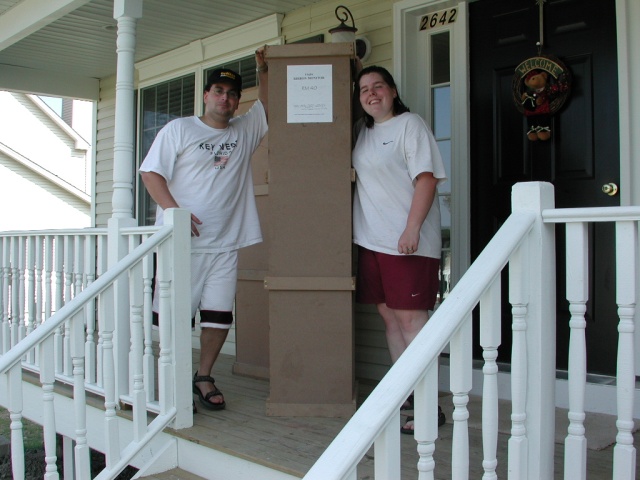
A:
(541, 86)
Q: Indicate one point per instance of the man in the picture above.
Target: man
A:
(202, 164)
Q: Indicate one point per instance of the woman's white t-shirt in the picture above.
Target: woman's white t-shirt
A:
(387, 159)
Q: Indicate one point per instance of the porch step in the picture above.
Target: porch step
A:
(175, 474)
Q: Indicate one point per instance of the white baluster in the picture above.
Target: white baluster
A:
(68, 295)
(90, 310)
(624, 453)
(148, 364)
(490, 339)
(79, 280)
(577, 251)
(101, 268)
(15, 414)
(112, 448)
(461, 367)
(82, 461)
(135, 360)
(38, 317)
(22, 258)
(47, 378)
(387, 451)
(59, 298)
(31, 292)
(518, 442)
(39, 266)
(131, 245)
(48, 279)
(5, 332)
(165, 377)
(426, 421)
(15, 289)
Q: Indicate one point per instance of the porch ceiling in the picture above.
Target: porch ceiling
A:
(78, 37)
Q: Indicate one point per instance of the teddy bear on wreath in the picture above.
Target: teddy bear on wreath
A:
(539, 93)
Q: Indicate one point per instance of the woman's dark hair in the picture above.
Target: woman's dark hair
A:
(398, 106)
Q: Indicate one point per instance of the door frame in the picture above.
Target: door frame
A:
(411, 77)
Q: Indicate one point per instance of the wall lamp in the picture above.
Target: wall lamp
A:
(346, 33)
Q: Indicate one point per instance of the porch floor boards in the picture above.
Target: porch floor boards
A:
(293, 444)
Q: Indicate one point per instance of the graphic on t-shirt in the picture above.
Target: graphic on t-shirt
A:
(220, 162)
(220, 153)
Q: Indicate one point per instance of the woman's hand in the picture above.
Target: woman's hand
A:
(409, 240)
(423, 197)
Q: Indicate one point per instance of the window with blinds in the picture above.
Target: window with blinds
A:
(159, 104)
(246, 67)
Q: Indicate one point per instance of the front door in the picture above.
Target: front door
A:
(581, 156)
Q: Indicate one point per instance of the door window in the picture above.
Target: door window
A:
(439, 66)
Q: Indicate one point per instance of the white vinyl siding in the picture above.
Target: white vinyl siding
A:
(104, 150)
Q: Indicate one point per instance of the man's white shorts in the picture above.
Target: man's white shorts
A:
(214, 277)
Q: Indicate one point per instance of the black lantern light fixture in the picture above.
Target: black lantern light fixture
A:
(346, 33)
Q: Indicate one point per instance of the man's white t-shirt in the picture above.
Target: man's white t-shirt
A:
(208, 172)
(387, 159)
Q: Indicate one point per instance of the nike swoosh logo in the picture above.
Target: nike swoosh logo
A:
(415, 294)
(387, 143)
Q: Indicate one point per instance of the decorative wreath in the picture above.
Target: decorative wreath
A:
(558, 80)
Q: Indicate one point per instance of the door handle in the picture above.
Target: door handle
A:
(610, 189)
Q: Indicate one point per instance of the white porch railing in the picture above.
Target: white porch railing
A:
(74, 348)
(59, 302)
(526, 244)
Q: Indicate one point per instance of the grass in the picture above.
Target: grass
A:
(34, 452)
(33, 448)
(32, 432)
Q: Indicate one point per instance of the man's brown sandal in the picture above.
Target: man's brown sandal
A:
(409, 430)
(205, 399)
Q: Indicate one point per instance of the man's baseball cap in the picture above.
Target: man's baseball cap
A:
(224, 75)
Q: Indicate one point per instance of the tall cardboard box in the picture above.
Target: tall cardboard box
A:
(310, 270)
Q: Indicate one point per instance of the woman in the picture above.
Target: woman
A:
(396, 216)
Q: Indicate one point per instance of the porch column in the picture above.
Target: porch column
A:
(540, 329)
(126, 12)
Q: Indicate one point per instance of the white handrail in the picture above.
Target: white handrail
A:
(54, 232)
(591, 214)
(383, 404)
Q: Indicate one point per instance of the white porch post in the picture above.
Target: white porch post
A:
(540, 330)
(126, 12)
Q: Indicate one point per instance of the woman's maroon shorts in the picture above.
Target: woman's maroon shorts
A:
(402, 282)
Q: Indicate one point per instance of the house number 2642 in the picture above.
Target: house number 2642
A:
(438, 19)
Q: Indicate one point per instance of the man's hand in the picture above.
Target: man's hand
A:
(157, 187)
(194, 222)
